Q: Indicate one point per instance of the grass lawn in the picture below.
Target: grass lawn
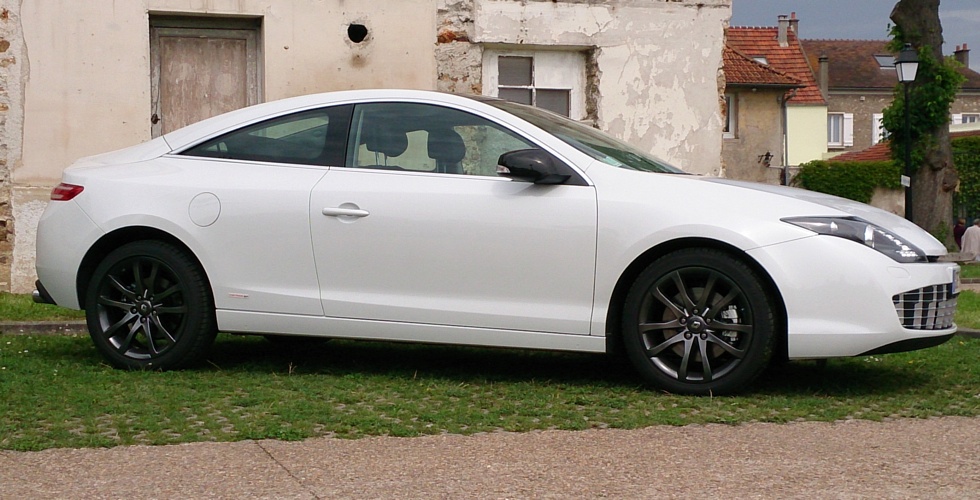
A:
(18, 307)
(58, 393)
(970, 270)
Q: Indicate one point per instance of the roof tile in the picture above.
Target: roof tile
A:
(740, 69)
(852, 64)
(790, 60)
(882, 150)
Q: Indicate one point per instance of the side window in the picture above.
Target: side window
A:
(427, 138)
(314, 137)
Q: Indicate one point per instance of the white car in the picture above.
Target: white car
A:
(429, 217)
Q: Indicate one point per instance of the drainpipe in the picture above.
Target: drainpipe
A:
(783, 104)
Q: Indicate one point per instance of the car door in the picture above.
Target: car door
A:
(419, 229)
(250, 208)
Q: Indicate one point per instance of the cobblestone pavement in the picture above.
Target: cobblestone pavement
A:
(933, 458)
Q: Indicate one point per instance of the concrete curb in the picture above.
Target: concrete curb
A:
(66, 327)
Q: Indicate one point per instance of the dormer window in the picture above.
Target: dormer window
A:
(885, 61)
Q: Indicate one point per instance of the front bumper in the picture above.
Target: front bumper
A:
(845, 299)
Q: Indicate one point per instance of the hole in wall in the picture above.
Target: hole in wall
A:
(357, 32)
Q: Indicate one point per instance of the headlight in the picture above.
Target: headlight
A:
(864, 232)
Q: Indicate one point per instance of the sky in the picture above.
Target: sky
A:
(862, 20)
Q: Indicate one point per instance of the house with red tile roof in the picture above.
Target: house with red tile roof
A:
(882, 150)
(858, 79)
(754, 96)
(804, 108)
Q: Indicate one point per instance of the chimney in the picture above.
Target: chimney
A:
(824, 75)
(794, 24)
(783, 28)
(962, 55)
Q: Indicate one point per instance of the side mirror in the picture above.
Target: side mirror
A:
(533, 165)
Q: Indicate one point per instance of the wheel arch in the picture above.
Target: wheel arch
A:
(629, 275)
(117, 238)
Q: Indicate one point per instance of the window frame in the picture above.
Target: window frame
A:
(730, 124)
(563, 70)
(846, 129)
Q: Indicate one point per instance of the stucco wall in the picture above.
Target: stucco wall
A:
(806, 127)
(656, 65)
(758, 130)
(89, 88)
(87, 76)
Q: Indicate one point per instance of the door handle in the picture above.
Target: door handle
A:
(345, 212)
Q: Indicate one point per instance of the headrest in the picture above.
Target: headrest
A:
(386, 139)
(445, 145)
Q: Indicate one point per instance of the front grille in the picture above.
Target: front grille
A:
(928, 308)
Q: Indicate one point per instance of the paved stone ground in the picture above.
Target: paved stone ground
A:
(934, 458)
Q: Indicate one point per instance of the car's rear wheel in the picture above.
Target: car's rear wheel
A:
(149, 306)
(699, 321)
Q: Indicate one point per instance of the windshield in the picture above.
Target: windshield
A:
(588, 140)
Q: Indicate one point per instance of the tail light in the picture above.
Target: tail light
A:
(65, 192)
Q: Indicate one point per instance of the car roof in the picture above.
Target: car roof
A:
(191, 134)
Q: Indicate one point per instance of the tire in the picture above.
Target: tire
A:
(149, 307)
(699, 322)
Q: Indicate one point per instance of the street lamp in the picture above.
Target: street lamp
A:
(907, 64)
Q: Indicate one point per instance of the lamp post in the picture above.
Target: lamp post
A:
(907, 64)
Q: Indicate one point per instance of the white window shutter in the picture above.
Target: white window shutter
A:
(957, 118)
(877, 128)
(848, 129)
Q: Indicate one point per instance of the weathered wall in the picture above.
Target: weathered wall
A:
(806, 126)
(656, 65)
(892, 200)
(459, 61)
(652, 71)
(13, 68)
(90, 64)
(86, 88)
(757, 131)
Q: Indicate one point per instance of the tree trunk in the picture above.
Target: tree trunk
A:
(934, 181)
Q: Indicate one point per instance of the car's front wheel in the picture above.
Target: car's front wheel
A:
(699, 321)
(149, 306)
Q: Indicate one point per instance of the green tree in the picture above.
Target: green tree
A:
(934, 177)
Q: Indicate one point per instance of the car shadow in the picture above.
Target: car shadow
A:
(838, 377)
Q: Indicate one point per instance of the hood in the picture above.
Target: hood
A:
(898, 225)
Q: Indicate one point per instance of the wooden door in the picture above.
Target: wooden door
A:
(198, 73)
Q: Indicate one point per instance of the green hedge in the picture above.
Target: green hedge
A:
(855, 180)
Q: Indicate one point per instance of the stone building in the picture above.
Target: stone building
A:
(858, 79)
(756, 115)
(81, 78)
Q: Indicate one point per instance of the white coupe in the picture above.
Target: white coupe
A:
(427, 217)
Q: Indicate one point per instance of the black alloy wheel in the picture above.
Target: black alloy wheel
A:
(149, 306)
(699, 322)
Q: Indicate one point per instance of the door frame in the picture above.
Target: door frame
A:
(237, 28)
